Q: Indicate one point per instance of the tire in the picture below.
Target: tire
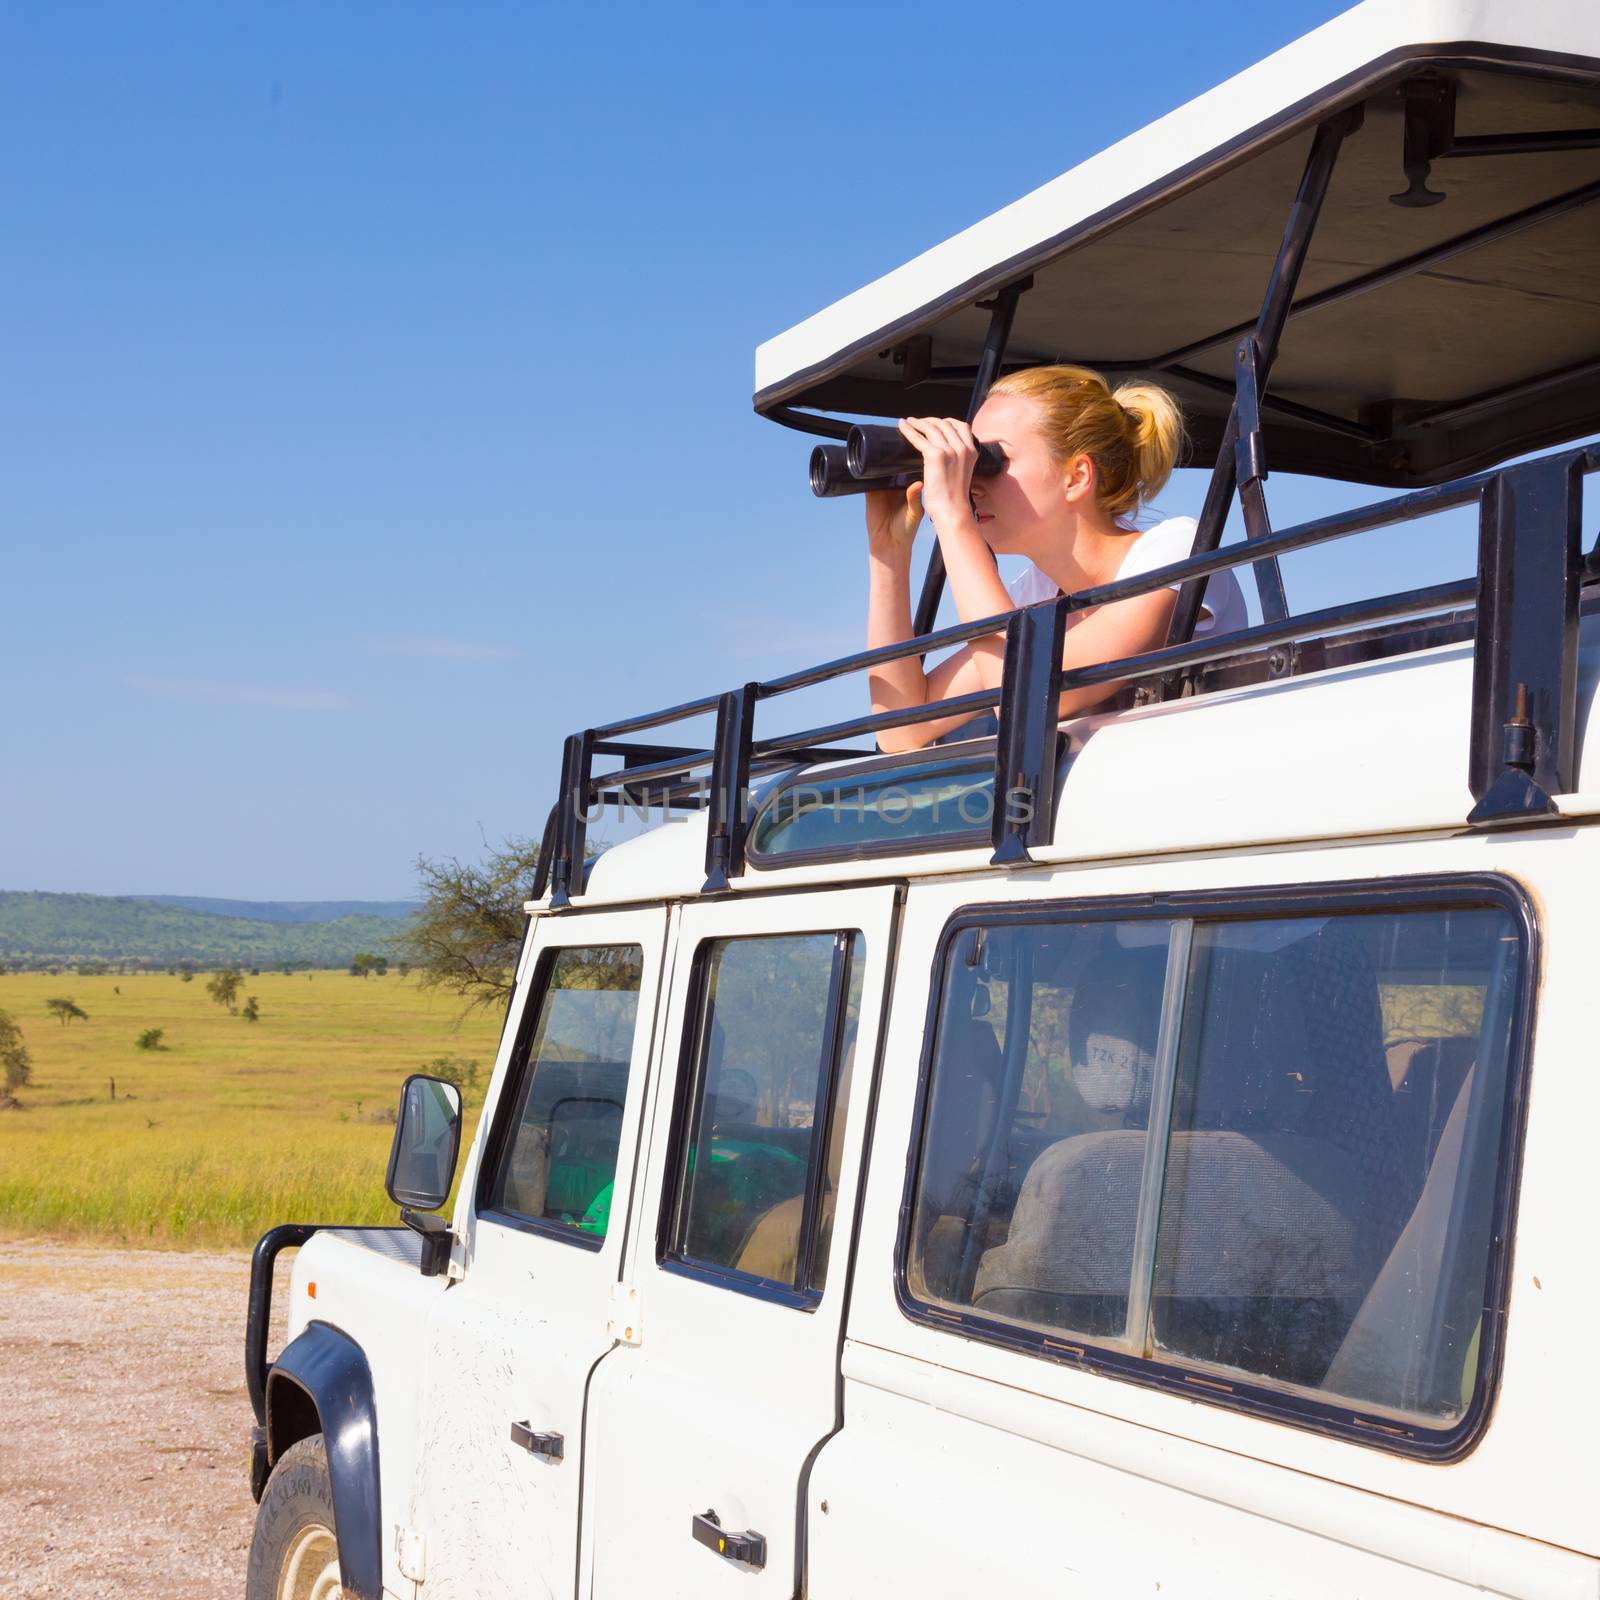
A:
(294, 1554)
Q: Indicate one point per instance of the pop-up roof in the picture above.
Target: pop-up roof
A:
(1425, 340)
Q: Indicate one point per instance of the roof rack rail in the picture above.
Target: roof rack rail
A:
(1525, 594)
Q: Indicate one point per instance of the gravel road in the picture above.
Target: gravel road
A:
(124, 1423)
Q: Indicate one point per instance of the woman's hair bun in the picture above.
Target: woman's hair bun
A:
(1156, 433)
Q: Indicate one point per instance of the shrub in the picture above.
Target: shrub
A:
(225, 987)
(15, 1065)
(463, 1074)
(151, 1038)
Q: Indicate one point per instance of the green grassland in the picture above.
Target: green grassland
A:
(234, 1125)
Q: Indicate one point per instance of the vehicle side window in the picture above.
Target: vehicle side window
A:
(569, 1077)
(771, 1053)
(1328, 1202)
(1267, 1148)
(1045, 1047)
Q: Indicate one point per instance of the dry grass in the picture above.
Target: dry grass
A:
(234, 1125)
(231, 1127)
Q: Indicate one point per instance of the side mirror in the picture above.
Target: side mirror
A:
(422, 1162)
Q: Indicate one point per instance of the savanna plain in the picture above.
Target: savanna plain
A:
(227, 1125)
(125, 1226)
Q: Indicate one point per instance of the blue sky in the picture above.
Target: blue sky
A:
(376, 405)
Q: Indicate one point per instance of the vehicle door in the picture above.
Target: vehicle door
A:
(511, 1346)
(703, 1428)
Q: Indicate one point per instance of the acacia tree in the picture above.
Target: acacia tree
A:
(225, 987)
(65, 1007)
(15, 1065)
(466, 936)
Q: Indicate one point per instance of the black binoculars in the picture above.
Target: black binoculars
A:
(876, 457)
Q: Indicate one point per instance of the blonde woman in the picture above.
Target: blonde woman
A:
(1080, 462)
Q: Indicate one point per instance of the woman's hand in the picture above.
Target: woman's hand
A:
(949, 453)
(893, 517)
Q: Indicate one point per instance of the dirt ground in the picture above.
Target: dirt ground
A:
(124, 1423)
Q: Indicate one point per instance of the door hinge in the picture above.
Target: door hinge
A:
(411, 1553)
(623, 1324)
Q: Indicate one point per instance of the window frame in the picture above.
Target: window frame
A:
(974, 752)
(1195, 1380)
(688, 1101)
(502, 1131)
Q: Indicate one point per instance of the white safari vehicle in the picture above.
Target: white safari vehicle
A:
(1148, 1155)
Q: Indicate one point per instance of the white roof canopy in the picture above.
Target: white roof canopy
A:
(1424, 341)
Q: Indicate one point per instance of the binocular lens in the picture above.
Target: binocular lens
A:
(831, 476)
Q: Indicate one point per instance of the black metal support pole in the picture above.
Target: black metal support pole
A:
(561, 869)
(1025, 753)
(730, 780)
(577, 760)
(547, 852)
(1250, 468)
(1269, 327)
(1525, 665)
(994, 350)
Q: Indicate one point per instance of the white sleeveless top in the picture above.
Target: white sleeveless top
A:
(1222, 604)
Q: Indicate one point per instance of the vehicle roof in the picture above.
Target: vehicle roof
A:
(1164, 241)
(1363, 751)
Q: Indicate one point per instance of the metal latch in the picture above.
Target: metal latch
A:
(551, 1446)
(748, 1549)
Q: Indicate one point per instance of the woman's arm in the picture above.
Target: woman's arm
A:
(892, 521)
(949, 453)
(1110, 632)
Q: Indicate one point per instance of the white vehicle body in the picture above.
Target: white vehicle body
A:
(711, 1326)
(950, 1466)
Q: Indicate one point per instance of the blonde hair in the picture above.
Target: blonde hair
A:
(1133, 435)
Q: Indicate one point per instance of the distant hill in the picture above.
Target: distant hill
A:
(282, 910)
(41, 930)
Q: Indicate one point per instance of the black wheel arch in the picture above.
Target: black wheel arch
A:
(322, 1383)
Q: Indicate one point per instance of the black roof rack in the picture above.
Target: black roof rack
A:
(1525, 600)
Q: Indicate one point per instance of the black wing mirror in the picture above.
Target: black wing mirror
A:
(422, 1162)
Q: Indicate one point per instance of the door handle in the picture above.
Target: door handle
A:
(551, 1446)
(748, 1549)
